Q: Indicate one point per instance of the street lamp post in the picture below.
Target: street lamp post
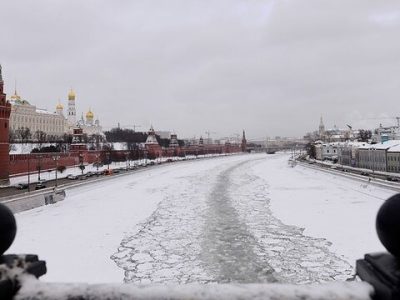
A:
(126, 159)
(81, 165)
(56, 158)
(97, 164)
(39, 167)
(145, 157)
(29, 173)
(108, 160)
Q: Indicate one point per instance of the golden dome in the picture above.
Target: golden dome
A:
(59, 106)
(89, 115)
(15, 96)
(71, 95)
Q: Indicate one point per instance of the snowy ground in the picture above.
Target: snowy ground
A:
(75, 170)
(247, 218)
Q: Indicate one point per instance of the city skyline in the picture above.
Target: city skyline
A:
(272, 68)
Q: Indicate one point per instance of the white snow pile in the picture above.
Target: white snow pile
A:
(25, 148)
(34, 289)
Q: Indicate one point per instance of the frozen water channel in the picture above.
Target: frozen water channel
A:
(246, 218)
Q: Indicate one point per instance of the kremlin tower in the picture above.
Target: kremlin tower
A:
(152, 146)
(244, 142)
(174, 141)
(5, 110)
(71, 109)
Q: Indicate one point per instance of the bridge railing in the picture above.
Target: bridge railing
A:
(379, 275)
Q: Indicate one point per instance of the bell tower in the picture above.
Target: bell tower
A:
(5, 110)
(71, 109)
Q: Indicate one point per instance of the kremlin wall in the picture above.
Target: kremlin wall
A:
(20, 164)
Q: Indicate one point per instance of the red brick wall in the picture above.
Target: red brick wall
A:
(19, 162)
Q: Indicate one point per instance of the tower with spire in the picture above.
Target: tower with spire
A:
(71, 109)
(321, 129)
(5, 111)
(244, 142)
(152, 146)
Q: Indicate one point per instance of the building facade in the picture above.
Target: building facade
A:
(374, 157)
(26, 115)
(348, 153)
(393, 159)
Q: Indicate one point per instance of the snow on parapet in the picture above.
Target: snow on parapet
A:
(34, 289)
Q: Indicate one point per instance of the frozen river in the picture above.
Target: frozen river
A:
(245, 218)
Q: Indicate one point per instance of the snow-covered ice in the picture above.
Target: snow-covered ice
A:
(243, 218)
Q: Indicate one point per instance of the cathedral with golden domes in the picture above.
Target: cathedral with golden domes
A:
(90, 126)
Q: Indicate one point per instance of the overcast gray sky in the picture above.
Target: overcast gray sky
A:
(270, 67)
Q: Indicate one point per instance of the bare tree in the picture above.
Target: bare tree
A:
(23, 134)
(40, 137)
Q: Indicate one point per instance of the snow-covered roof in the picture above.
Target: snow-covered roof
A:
(19, 102)
(119, 146)
(394, 148)
(44, 111)
(151, 139)
(354, 144)
(381, 146)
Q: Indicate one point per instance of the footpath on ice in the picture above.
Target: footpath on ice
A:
(247, 218)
